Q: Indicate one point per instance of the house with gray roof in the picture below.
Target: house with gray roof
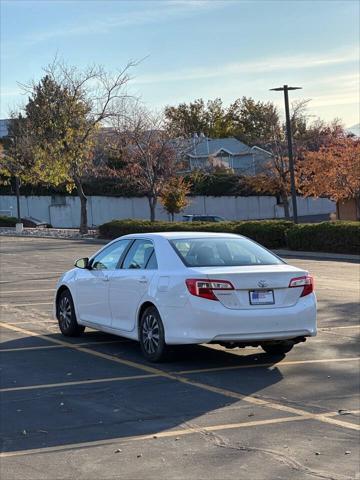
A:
(4, 126)
(205, 153)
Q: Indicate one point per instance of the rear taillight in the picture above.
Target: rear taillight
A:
(206, 288)
(307, 282)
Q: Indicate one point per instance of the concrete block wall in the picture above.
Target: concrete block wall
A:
(66, 212)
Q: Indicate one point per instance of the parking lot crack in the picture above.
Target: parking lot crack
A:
(222, 442)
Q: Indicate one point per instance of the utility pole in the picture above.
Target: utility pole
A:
(286, 89)
(17, 190)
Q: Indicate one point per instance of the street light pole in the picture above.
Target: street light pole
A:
(286, 89)
(17, 190)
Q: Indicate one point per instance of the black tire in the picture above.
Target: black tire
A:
(66, 316)
(152, 336)
(278, 348)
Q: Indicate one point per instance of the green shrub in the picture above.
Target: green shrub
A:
(7, 221)
(337, 237)
(270, 233)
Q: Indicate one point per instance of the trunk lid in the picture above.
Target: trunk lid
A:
(258, 278)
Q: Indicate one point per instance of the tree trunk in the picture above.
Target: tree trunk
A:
(83, 207)
(172, 217)
(152, 205)
(285, 201)
(17, 188)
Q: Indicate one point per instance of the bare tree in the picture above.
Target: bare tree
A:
(149, 154)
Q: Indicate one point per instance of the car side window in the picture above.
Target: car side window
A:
(109, 258)
(152, 263)
(139, 254)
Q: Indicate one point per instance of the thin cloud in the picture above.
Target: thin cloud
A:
(349, 98)
(160, 12)
(295, 62)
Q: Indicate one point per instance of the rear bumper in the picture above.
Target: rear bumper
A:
(205, 321)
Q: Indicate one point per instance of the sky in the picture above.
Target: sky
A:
(193, 48)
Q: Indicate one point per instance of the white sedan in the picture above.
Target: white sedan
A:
(179, 288)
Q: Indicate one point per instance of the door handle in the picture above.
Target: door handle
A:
(142, 280)
(105, 278)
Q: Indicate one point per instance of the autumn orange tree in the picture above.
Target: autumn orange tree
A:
(333, 171)
(308, 138)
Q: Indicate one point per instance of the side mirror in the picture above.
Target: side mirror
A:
(82, 263)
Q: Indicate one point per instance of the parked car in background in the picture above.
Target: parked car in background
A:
(203, 218)
(31, 222)
(178, 288)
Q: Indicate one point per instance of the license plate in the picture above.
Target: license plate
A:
(261, 297)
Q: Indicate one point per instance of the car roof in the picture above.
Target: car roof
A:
(176, 235)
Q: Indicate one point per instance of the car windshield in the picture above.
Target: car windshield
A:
(227, 252)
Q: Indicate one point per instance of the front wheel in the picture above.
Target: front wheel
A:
(66, 316)
(152, 336)
(278, 348)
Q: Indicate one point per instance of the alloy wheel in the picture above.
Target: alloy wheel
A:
(150, 334)
(65, 312)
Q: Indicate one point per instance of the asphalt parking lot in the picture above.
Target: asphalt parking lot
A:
(92, 408)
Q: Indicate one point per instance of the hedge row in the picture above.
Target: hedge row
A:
(337, 237)
(270, 233)
(7, 221)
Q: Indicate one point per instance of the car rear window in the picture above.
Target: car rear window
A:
(227, 252)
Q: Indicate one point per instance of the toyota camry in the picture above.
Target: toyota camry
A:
(177, 288)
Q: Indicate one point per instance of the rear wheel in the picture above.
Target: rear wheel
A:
(66, 316)
(278, 348)
(152, 336)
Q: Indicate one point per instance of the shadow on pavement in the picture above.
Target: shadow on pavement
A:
(72, 414)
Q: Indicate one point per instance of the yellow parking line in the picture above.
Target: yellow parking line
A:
(35, 273)
(24, 304)
(114, 379)
(168, 434)
(20, 349)
(77, 382)
(27, 280)
(187, 381)
(337, 327)
(2, 292)
(45, 347)
(269, 364)
(165, 434)
(35, 322)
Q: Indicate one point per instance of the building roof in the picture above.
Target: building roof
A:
(205, 147)
(4, 125)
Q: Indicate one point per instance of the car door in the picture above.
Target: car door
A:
(92, 285)
(130, 283)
